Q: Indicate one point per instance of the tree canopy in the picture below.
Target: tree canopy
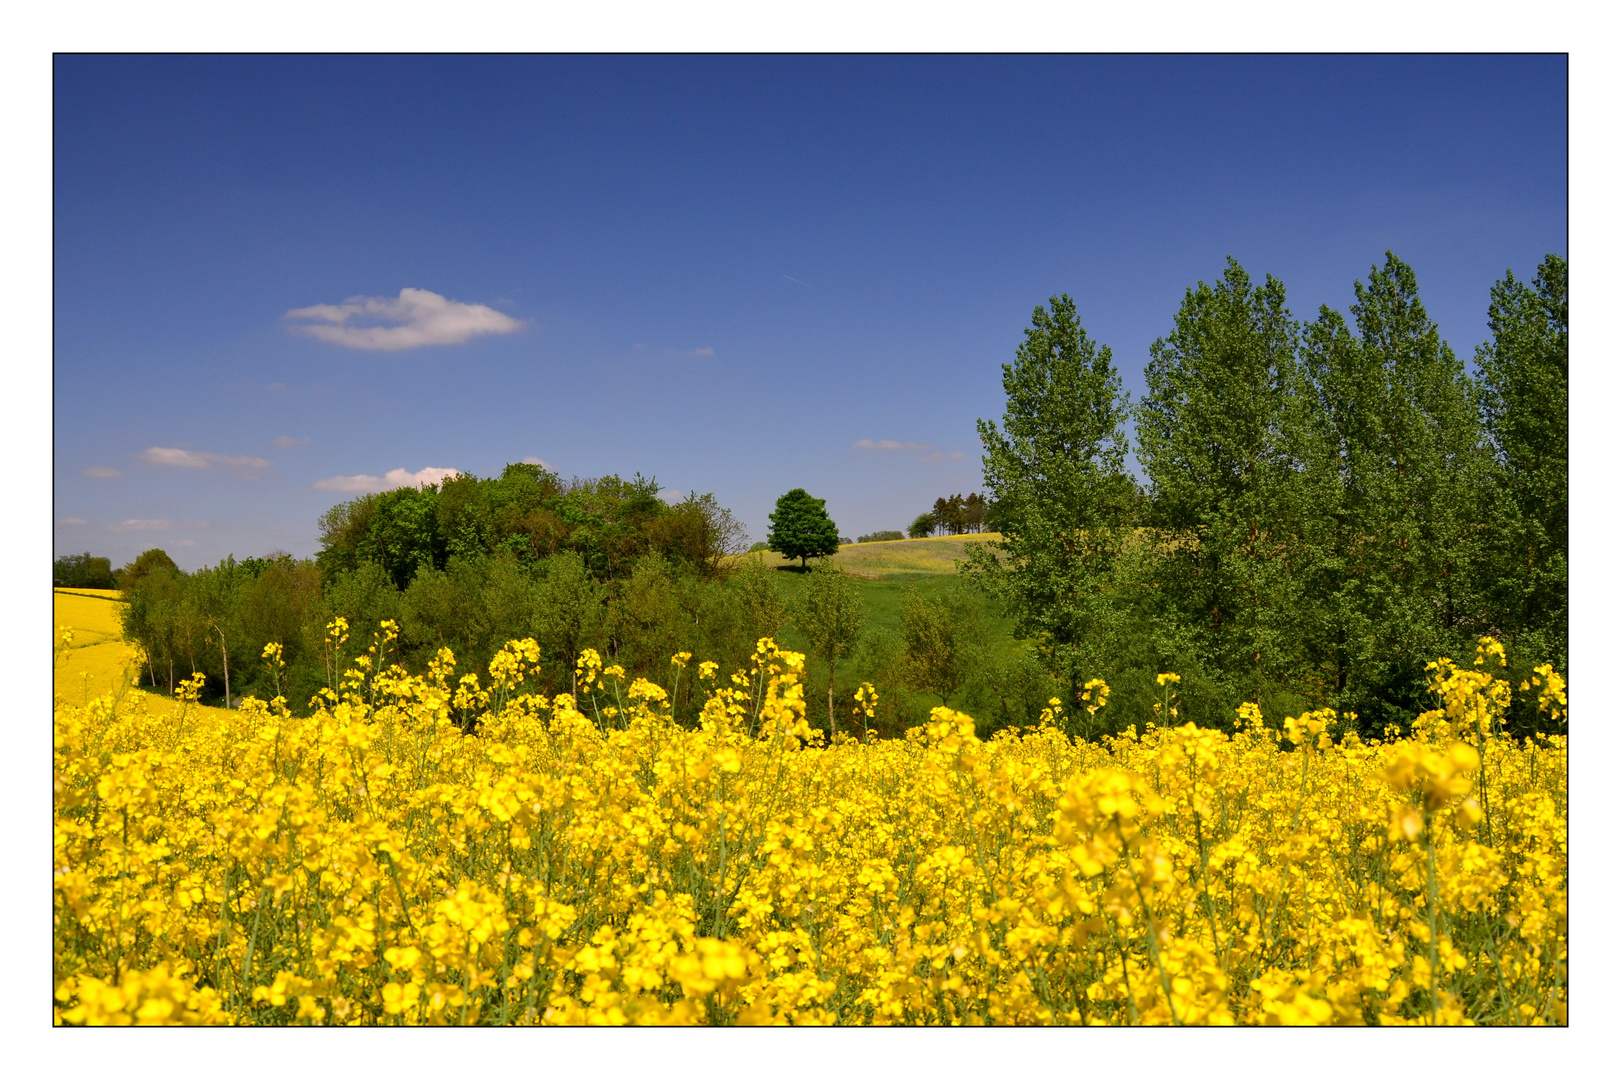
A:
(801, 529)
(1055, 471)
(1325, 506)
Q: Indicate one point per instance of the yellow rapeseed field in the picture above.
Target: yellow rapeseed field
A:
(91, 656)
(457, 850)
(93, 659)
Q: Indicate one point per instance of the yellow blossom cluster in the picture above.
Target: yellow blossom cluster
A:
(435, 850)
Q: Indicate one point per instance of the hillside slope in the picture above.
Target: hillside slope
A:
(891, 558)
(98, 659)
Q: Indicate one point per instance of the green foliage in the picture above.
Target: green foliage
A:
(829, 613)
(527, 514)
(1056, 471)
(762, 609)
(472, 607)
(645, 618)
(1524, 372)
(1397, 472)
(881, 535)
(82, 572)
(1213, 443)
(943, 640)
(958, 514)
(145, 563)
(922, 526)
(1008, 688)
(574, 611)
(801, 529)
(1326, 505)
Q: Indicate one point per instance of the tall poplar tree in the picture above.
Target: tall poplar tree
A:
(1212, 439)
(1397, 476)
(1056, 472)
(1524, 373)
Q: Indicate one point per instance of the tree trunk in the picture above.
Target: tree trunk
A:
(225, 661)
(832, 724)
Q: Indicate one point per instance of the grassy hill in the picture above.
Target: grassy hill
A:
(884, 573)
(894, 558)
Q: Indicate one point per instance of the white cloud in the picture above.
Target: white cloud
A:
(416, 318)
(705, 353)
(102, 472)
(394, 478)
(420, 478)
(888, 444)
(287, 442)
(73, 521)
(175, 457)
(672, 496)
(139, 525)
(169, 455)
(532, 460)
(956, 455)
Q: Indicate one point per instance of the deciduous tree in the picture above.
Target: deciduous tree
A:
(1212, 440)
(1524, 372)
(1056, 470)
(801, 529)
(829, 613)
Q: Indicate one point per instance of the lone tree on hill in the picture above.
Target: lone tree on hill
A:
(801, 529)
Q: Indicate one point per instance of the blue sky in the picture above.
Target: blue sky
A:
(737, 274)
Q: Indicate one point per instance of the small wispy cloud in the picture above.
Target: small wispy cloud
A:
(415, 318)
(287, 442)
(705, 353)
(394, 478)
(888, 444)
(956, 455)
(175, 457)
(532, 460)
(138, 524)
(672, 495)
(102, 472)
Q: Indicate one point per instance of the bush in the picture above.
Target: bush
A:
(881, 535)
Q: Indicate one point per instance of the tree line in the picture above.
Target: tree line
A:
(466, 564)
(954, 516)
(1322, 508)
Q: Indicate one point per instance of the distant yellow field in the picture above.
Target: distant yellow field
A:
(98, 659)
(931, 555)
